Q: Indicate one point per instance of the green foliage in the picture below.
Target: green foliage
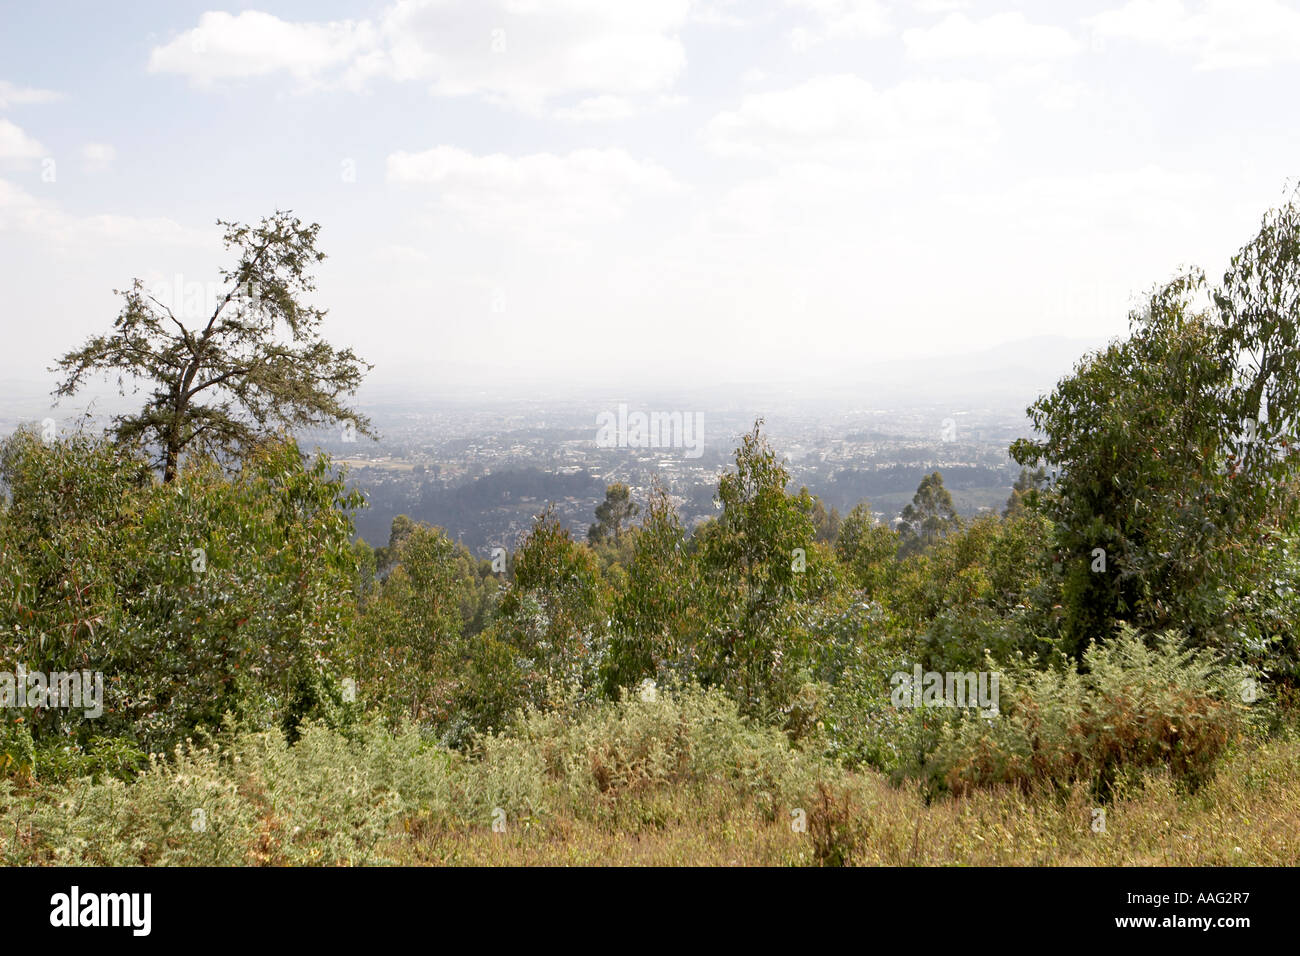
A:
(493, 681)
(653, 626)
(419, 638)
(412, 628)
(101, 757)
(982, 590)
(929, 518)
(555, 612)
(327, 800)
(345, 799)
(826, 523)
(586, 758)
(1142, 480)
(756, 606)
(17, 750)
(867, 549)
(1025, 491)
(1133, 708)
(649, 672)
(1175, 477)
(758, 566)
(611, 514)
(209, 595)
(387, 555)
(331, 799)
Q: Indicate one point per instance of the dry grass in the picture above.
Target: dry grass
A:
(682, 781)
(1248, 814)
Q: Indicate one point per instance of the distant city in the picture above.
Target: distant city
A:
(483, 466)
(484, 473)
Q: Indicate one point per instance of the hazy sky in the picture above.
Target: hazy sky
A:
(626, 190)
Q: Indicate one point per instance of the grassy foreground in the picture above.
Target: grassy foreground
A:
(1249, 815)
(682, 780)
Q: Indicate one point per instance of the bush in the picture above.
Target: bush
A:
(594, 759)
(209, 595)
(331, 799)
(183, 811)
(102, 756)
(17, 752)
(1133, 708)
(328, 799)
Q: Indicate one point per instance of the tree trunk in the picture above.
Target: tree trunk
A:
(169, 465)
(173, 449)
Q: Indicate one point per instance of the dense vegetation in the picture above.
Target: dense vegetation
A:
(314, 700)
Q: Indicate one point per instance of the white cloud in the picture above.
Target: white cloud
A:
(18, 209)
(798, 252)
(838, 155)
(720, 13)
(97, 157)
(1132, 226)
(839, 19)
(252, 43)
(402, 256)
(520, 53)
(597, 109)
(12, 95)
(605, 109)
(1038, 83)
(15, 144)
(1219, 34)
(22, 212)
(527, 53)
(1110, 201)
(1001, 36)
(844, 119)
(939, 6)
(538, 194)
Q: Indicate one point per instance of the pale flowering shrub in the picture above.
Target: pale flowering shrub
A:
(185, 809)
(594, 757)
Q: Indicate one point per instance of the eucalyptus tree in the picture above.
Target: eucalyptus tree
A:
(1173, 486)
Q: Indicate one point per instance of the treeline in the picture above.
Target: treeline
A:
(852, 485)
(1137, 595)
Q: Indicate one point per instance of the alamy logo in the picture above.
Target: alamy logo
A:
(624, 429)
(103, 909)
(70, 690)
(953, 689)
(196, 300)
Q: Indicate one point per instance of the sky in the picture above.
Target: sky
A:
(514, 192)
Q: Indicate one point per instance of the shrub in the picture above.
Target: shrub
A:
(111, 756)
(331, 799)
(17, 753)
(209, 595)
(327, 799)
(182, 811)
(597, 757)
(1133, 708)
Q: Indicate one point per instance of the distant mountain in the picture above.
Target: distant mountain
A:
(1015, 372)
(1008, 376)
